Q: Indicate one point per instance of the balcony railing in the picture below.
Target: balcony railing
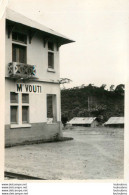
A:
(20, 70)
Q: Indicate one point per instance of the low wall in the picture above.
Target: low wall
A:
(37, 131)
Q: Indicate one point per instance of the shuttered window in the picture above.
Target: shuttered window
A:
(19, 53)
(50, 60)
(50, 55)
(49, 107)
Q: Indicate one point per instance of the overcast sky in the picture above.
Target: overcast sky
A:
(100, 29)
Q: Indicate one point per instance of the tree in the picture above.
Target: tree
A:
(102, 103)
(64, 80)
(90, 85)
(120, 89)
(82, 86)
(64, 120)
(103, 86)
(112, 87)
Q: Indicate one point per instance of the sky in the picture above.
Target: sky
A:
(100, 30)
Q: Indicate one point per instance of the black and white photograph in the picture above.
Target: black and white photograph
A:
(65, 71)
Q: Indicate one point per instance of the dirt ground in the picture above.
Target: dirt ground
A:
(95, 153)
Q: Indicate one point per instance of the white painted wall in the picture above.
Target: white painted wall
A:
(37, 102)
(38, 105)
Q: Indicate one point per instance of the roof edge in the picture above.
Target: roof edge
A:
(16, 17)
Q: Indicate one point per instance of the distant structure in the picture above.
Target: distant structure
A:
(115, 122)
(84, 121)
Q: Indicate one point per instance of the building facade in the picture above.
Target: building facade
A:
(32, 87)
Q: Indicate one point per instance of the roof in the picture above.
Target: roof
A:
(115, 120)
(82, 120)
(21, 19)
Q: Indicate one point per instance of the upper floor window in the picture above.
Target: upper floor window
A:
(50, 60)
(50, 55)
(19, 37)
(19, 53)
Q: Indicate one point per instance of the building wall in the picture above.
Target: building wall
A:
(37, 102)
(37, 132)
(37, 55)
(37, 128)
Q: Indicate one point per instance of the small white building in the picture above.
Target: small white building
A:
(115, 122)
(32, 73)
(84, 121)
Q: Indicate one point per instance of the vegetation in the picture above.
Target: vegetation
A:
(92, 101)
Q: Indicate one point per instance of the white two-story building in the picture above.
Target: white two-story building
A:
(32, 73)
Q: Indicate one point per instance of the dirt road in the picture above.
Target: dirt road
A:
(95, 153)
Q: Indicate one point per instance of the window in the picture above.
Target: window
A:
(25, 98)
(14, 110)
(19, 53)
(50, 55)
(51, 108)
(25, 111)
(50, 60)
(25, 108)
(13, 97)
(16, 36)
(19, 108)
(14, 107)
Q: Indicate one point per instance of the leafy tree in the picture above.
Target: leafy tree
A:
(120, 89)
(103, 86)
(64, 80)
(103, 103)
(64, 120)
(112, 87)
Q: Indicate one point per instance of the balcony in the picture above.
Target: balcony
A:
(20, 70)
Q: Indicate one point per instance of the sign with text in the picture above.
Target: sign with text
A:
(28, 88)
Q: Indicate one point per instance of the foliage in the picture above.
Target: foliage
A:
(92, 101)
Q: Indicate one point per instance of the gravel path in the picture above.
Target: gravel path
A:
(95, 153)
